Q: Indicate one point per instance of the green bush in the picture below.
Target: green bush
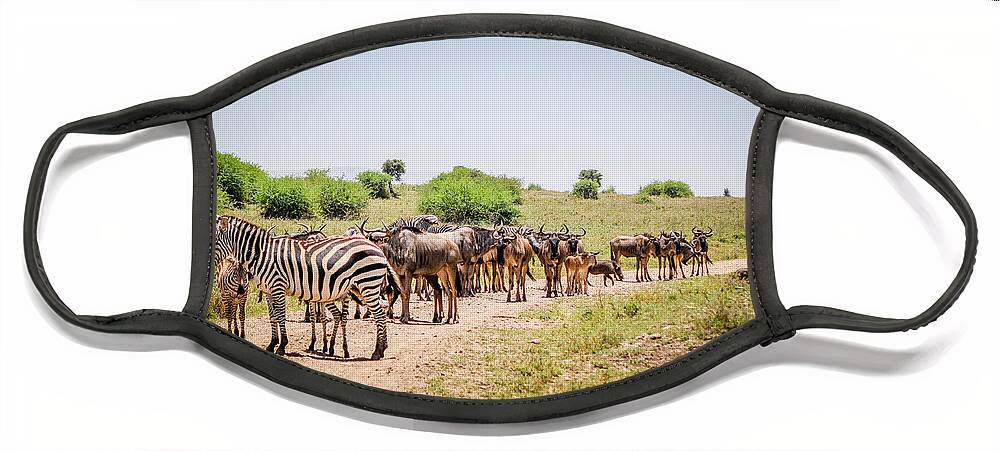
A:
(586, 189)
(669, 188)
(342, 199)
(377, 184)
(222, 201)
(469, 195)
(609, 190)
(643, 198)
(239, 180)
(285, 198)
(591, 174)
(534, 187)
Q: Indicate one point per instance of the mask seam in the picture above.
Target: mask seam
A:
(211, 208)
(697, 354)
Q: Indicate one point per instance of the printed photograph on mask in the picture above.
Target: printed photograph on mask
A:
(482, 218)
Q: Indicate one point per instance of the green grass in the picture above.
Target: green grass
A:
(604, 339)
(615, 214)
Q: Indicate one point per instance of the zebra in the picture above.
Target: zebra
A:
(233, 282)
(422, 222)
(324, 271)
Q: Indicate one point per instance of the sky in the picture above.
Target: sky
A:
(537, 109)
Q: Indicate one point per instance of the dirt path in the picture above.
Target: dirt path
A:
(415, 348)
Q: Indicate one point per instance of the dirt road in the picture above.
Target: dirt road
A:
(415, 348)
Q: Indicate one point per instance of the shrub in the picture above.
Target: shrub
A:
(514, 186)
(317, 176)
(534, 187)
(591, 174)
(239, 180)
(609, 190)
(669, 188)
(222, 201)
(469, 195)
(285, 198)
(643, 198)
(342, 199)
(586, 189)
(377, 184)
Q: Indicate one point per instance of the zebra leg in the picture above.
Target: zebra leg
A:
(343, 326)
(370, 294)
(325, 319)
(312, 324)
(279, 333)
(243, 318)
(334, 312)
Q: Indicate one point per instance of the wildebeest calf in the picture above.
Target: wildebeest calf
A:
(609, 269)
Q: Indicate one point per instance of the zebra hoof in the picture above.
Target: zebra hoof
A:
(347, 355)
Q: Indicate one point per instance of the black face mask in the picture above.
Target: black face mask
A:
(530, 217)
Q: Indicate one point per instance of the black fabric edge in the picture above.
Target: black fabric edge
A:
(760, 255)
(202, 214)
(728, 76)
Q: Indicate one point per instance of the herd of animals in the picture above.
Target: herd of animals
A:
(423, 256)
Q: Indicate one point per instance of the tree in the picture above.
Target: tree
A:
(725, 192)
(591, 174)
(395, 168)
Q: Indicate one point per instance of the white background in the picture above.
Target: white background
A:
(854, 230)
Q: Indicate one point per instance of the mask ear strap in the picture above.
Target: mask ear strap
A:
(852, 121)
(146, 321)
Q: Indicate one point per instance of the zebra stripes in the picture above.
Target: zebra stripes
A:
(322, 271)
(233, 282)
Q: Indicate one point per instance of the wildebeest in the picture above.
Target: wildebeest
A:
(638, 246)
(578, 267)
(552, 259)
(609, 269)
(472, 242)
(679, 252)
(514, 253)
(411, 253)
(699, 242)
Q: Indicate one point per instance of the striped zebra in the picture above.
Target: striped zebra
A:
(233, 282)
(422, 222)
(321, 271)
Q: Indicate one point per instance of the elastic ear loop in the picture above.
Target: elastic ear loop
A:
(146, 321)
(861, 124)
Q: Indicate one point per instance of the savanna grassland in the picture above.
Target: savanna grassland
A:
(576, 343)
(543, 346)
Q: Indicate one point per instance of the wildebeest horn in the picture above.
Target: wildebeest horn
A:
(305, 228)
(320, 229)
(584, 232)
(541, 228)
(565, 229)
(385, 228)
(710, 231)
(270, 229)
(694, 230)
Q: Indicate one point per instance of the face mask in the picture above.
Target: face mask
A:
(486, 218)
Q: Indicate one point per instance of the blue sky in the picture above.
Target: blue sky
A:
(535, 109)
